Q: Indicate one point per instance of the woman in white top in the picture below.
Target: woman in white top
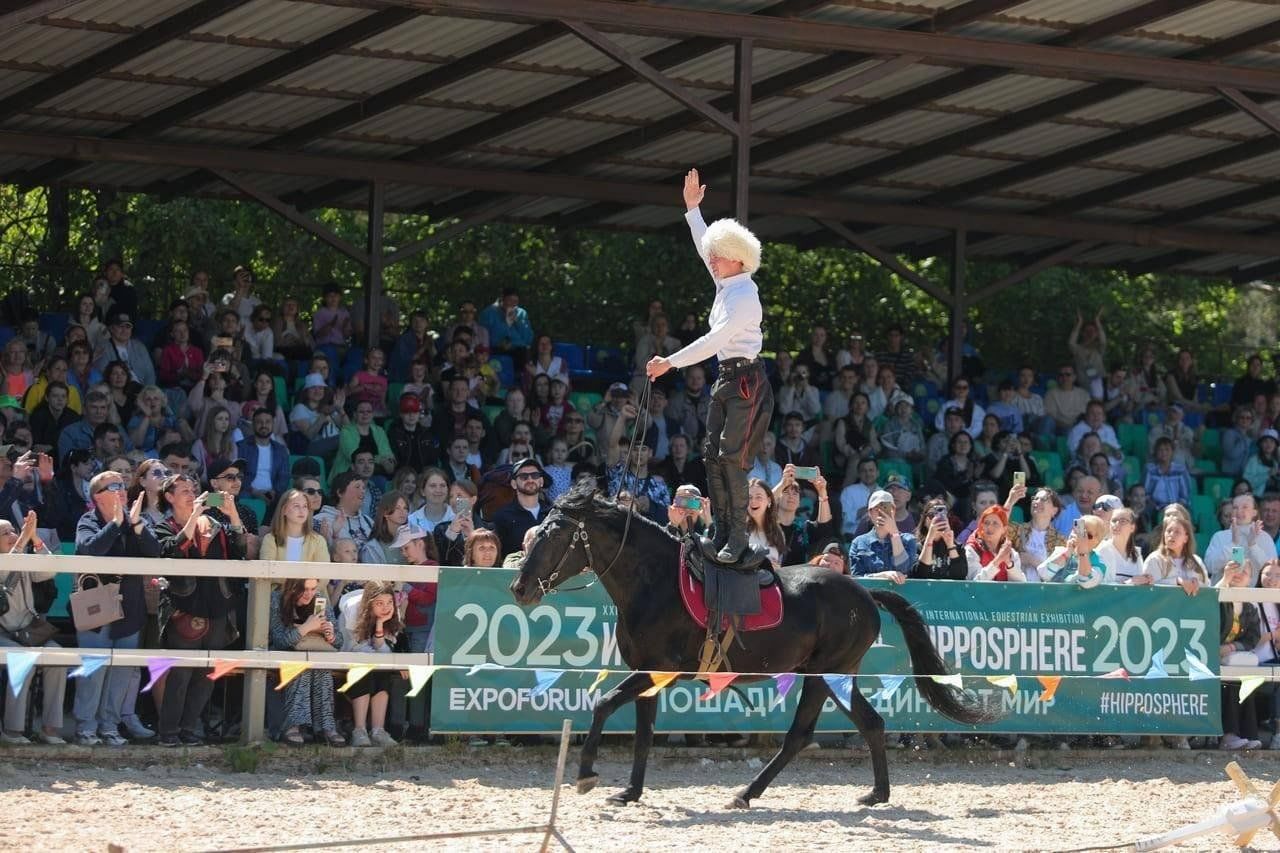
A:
(545, 362)
(292, 538)
(1119, 553)
(435, 507)
(763, 529)
(1174, 561)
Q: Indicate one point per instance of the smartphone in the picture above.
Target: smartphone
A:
(806, 472)
(461, 506)
(1237, 554)
(213, 500)
(1020, 478)
(322, 605)
(940, 514)
(689, 503)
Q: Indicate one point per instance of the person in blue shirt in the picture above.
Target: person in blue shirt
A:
(509, 329)
(883, 548)
(1167, 480)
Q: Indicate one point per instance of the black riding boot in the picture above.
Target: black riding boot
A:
(719, 497)
(735, 484)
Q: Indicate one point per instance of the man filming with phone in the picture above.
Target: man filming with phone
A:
(689, 512)
(742, 399)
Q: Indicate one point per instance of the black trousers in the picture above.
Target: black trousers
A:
(187, 689)
(738, 416)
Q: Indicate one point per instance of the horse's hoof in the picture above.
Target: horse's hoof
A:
(874, 798)
(622, 798)
(586, 783)
(739, 803)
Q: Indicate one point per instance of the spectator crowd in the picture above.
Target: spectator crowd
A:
(231, 428)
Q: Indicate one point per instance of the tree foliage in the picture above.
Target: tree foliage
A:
(587, 285)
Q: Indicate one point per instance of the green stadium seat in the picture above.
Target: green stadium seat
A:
(1064, 453)
(1211, 444)
(1218, 488)
(1051, 469)
(67, 548)
(1133, 471)
(282, 393)
(1133, 439)
(1205, 466)
(491, 412)
(896, 466)
(828, 458)
(394, 390)
(259, 507)
(1203, 537)
(1017, 516)
(1204, 512)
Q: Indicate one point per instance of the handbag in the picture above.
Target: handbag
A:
(38, 632)
(313, 643)
(189, 628)
(95, 606)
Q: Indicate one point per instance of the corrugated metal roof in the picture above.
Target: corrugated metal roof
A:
(261, 30)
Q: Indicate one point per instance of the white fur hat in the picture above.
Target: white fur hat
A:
(727, 238)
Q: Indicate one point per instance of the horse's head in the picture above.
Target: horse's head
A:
(560, 550)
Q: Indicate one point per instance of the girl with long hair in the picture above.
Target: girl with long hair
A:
(217, 442)
(763, 530)
(1120, 552)
(1174, 561)
(262, 395)
(389, 516)
(293, 537)
(377, 625)
(308, 698)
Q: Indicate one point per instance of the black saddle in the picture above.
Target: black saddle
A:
(754, 562)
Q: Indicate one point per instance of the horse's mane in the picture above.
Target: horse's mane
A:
(586, 496)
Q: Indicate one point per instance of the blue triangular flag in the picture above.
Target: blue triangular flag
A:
(1196, 668)
(784, 682)
(841, 687)
(1157, 669)
(544, 678)
(889, 686)
(89, 664)
(480, 666)
(20, 664)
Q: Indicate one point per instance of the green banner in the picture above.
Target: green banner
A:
(982, 630)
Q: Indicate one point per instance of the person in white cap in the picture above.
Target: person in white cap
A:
(742, 399)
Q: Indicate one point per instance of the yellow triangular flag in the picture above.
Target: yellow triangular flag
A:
(353, 675)
(418, 678)
(1050, 684)
(600, 677)
(1008, 681)
(716, 682)
(955, 680)
(660, 680)
(290, 671)
(1250, 684)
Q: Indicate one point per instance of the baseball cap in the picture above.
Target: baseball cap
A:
(406, 534)
(120, 318)
(897, 481)
(410, 403)
(1271, 434)
(220, 466)
(619, 387)
(879, 498)
(1108, 503)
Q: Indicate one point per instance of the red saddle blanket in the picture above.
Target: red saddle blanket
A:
(695, 603)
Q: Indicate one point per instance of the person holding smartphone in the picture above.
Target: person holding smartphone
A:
(742, 398)
(940, 557)
(1244, 542)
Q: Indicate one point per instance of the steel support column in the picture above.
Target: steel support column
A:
(742, 56)
(373, 285)
(955, 351)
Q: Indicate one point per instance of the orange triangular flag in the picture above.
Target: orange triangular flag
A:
(716, 682)
(223, 667)
(290, 671)
(660, 680)
(1050, 684)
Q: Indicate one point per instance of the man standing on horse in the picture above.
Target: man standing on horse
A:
(742, 399)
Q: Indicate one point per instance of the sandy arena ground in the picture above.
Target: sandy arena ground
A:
(956, 802)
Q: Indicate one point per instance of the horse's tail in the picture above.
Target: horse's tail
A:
(949, 701)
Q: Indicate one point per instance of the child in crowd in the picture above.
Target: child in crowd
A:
(558, 468)
(370, 383)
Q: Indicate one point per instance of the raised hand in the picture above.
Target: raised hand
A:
(693, 189)
(135, 511)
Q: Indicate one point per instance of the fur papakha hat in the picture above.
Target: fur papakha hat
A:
(727, 238)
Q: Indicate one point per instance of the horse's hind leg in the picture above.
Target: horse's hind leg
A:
(631, 687)
(812, 695)
(871, 726)
(646, 713)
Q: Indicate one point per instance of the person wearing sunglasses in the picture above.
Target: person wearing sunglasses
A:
(510, 523)
(113, 527)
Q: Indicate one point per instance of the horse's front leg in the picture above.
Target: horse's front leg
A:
(646, 713)
(631, 687)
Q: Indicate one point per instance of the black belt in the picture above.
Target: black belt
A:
(733, 365)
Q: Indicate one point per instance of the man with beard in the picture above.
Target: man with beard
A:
(527, 510)
(266, 460)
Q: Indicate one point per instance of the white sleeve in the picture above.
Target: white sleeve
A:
(698, 227)
(720, 334)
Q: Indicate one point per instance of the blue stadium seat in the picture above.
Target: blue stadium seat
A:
(148, 331)
(6, 334)
(1222, 393)
(55, 325)
(573, 355)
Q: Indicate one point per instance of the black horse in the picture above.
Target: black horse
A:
(829, 622)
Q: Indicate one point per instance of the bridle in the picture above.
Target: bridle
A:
(580, 534)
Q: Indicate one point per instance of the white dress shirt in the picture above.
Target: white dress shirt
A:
(735, 313)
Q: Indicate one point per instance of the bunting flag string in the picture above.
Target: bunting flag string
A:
(418, 677)
(482, 666)
(1009, 682)
(157, 667)
(1157, 669)
(1050, 684)
(782, 686)
(599, 679)
(1196, 670)
(89, 664)
(353, 677)
(660, 680)
(543, 679)
(223, 667)
(889, 685)
(290, 671)
(20, 664)
(841, 687)
(955, 679)
(716, 682)
(1249, 684)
